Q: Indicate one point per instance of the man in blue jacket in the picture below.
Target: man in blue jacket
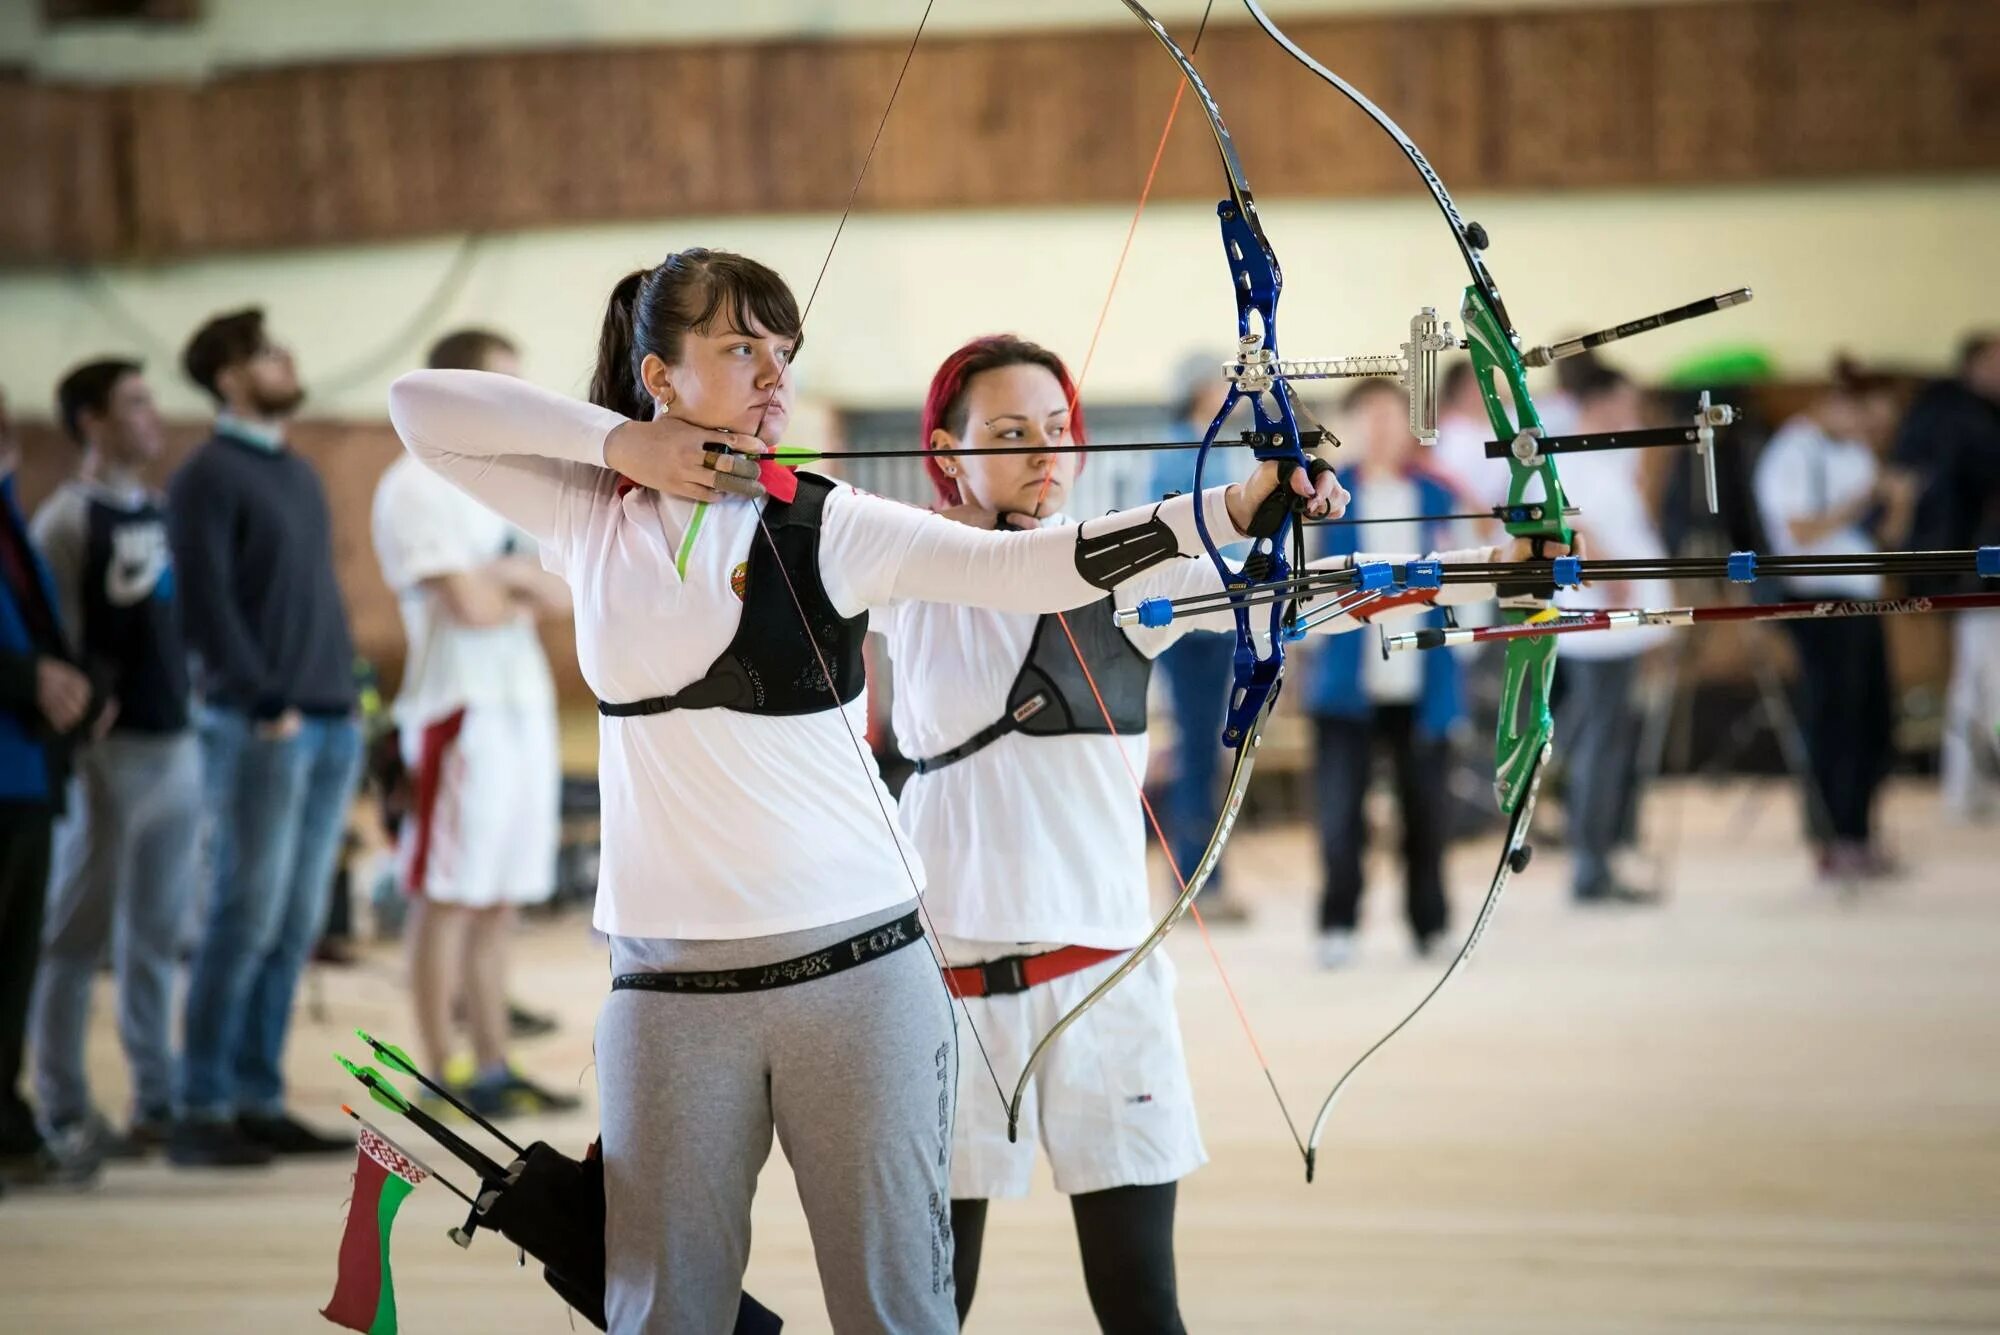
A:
(45, 701)
(1361, 702)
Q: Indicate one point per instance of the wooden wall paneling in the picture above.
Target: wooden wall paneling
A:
(252, 178)
(719, 126)
(811, 123)
(1424, 74)
(1574, 92)
(1848, 88)
(59, 171)
(1574, 98)
(1045, 122)
(1956, 59)
(474, 118)
(1708, 80)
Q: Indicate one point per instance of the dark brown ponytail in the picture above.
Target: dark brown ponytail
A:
(653, 310)
(614, 385)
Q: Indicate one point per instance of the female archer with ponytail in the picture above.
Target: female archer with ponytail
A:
(757, 895)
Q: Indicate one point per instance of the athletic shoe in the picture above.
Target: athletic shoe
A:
(150, 1131)
(211, 1144)
(145, 1135)
(66, 1158)
(1336, 948)
(287, 1135)
(513, 1095)
(1616, 892)
(524, 1023)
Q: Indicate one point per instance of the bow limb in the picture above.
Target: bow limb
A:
(1232, 804)
(1259, 663)
(1514, 856)
(1526, 731)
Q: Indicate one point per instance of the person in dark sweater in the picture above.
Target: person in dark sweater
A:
(126, 850)
(281, 746)
(46, 703)
(1950, 439)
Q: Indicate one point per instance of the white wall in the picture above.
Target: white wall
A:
(1890, 270)
(238, 33)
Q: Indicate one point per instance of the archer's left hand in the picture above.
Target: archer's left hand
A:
(1523, 549)
(1324, 499)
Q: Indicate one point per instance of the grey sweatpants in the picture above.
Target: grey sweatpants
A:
(126, 858)
(856, 1072)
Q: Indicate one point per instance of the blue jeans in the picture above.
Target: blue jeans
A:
(277, 809)
(127, 855)
(1198, 668)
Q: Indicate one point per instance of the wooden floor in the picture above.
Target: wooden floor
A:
(1759, 1108)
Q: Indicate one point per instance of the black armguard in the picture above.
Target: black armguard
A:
(1108, 560)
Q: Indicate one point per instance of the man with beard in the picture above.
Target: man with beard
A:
(281, 747)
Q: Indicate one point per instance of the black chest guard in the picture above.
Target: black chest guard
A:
(771, 665)
(1051, 696)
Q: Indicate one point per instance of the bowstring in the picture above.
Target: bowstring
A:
(939, 959)
(1062, 620)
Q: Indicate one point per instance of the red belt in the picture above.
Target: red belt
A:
(1017, 973)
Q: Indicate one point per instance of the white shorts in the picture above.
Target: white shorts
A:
(485, 807)
(1111, 1103)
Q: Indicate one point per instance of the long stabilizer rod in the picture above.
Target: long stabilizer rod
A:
(1571, 347)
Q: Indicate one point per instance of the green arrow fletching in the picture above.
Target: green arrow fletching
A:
(377, 1084)
(390, 1055)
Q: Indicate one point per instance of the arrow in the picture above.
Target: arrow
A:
(1570, 623)
(386, 1094)
(396, 1059)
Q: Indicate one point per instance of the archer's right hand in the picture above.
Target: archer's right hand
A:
(678, 458)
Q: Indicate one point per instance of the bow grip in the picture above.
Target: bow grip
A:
(1269, 519)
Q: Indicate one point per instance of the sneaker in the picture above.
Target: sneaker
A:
(336, 952)
(287, 1135)
(150, 1131)
(1843, 866)
(1616, 892)
(513, 1095)
(204, 1143)
(1879, 864)
(67, 1158)
(1336, 948)
(524, 1023)
(111, 1143)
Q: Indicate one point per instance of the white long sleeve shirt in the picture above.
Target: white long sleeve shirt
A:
(1041, 839)
(718, 824)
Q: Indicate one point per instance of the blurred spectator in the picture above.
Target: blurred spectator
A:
(1821, 489)
(253, 546)
(1598, 721)
(45, 703)
(126, 853)
(1459, 457)
(1199, 667)
(476, 723)
(1363, 702)
(1951, 439)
